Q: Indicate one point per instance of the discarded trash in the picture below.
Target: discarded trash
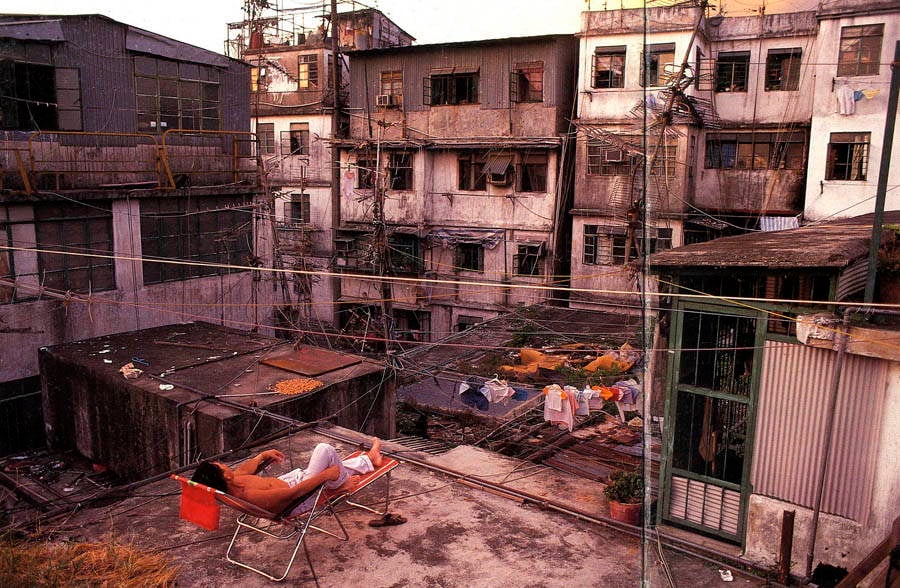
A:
(130, 372)
(212, 357)
(166, 387)
(104, 351)
(726, 575)
(107, 361)
(636, 422)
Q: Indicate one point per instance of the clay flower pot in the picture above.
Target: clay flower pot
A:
(625, 512)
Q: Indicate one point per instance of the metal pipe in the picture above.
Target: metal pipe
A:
(786, 547)
(829, 429)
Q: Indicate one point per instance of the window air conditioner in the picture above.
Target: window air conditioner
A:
(383, 100)
(614, 156)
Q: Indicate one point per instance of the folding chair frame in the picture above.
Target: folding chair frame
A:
(259, 520)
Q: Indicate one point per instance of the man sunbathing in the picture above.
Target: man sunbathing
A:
(275, 494)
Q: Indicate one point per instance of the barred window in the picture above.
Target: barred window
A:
(457, 87)
(208, 230)
(405, 253)
(175, 95)
(848, 156)
(609, 67)
(732, 70)
(755, 150)
(607, 159)
(783, 69)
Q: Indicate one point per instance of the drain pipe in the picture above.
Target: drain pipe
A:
(829, 429)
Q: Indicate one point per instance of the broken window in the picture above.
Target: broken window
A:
(848, 156)
(405, 255)
(783, 69)
(175, 95)
(207, 230)
(296, 140)
(609, 67)
(392, 87)
(526, 82)
(658, 64)
(75, 228)
(297, 209)
(470, 257)
(400, 171)
(860, 50)
(532, 176)
(527, 260)
(265, 132)
(365, 172)
(29, 96)
(308, 72)
(755, 150)
(732, 69)
(453, 87)
(465, 322)
(471, 172)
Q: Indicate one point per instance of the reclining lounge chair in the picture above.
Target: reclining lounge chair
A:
(199, 504)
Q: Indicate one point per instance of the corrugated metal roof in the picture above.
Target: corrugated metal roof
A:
(834, 244)
(143, 41)
(778, 223)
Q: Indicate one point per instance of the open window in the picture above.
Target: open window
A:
(848, 156)
(296, 140)
(405, 253)
(498, 169)
(732, 70)
(532, 176)
(471, 171)
(451, 86)
(29, 97)
(658, 64)
(526, 82)
(528, 260)
(297, 209)
(783, 69)
(470, 257)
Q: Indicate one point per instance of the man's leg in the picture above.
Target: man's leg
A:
(323, 457)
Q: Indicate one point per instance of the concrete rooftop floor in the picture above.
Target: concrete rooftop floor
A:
(456, 535)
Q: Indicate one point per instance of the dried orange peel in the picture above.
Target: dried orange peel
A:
(295, 386)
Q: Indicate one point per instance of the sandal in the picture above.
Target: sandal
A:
(387, 520)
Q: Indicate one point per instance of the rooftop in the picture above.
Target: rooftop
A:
(457, 534)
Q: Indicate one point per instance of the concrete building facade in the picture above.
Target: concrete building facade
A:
(130, 194)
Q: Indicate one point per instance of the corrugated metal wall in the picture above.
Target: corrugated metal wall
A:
(791, 420)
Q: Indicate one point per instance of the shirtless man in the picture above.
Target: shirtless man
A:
(275, 494)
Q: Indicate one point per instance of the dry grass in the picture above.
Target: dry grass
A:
(32, 563)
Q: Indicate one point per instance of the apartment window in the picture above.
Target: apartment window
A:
(607, 159)
(392, 86)
(69, 227)
(860, 51)
(526, 82)
(400, 171)
(731, 71)
(848, 156)
(622, 251)
(258, 79)
(35, 97)
(470, 256)
(449, 86)
(755, 150)
(365, 172)
(296, 140)
(471, 171)
(308, 72)
(609, 67)
(590, 245)
(528, 259)
(175, 95)
(405, 255)
(207, 230)
(265, 132)
(465, 322)
(658, 64)
(297, 209)
(532, 176)
(783, 70)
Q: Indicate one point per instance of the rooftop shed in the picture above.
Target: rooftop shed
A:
(203, 390)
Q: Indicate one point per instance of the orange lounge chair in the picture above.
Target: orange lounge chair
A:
(200, 505)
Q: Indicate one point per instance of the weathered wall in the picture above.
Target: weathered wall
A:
(285, 169)
(827, 198)
(748, 190)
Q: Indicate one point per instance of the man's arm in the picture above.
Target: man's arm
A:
(277, 499)
(251, 466)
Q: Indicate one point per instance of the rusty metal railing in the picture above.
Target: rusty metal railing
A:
(227, 157)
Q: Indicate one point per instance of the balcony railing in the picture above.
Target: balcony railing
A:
(58, 160)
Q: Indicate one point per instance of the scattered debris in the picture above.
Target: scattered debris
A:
(130, 372)
(726, 575)
(166, 387)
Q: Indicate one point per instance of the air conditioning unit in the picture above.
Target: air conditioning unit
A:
(384, 100)
(614, 155)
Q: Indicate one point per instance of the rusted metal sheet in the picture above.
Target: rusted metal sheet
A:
(312, 361)
(791, 420)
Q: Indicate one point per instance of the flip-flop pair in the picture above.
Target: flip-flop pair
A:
(388, 520)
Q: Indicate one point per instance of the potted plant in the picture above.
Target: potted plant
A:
(625, 492)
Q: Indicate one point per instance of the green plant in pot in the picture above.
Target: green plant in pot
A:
(625, 492)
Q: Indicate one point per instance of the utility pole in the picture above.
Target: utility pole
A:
(381, 249)
(881, 192)
(335, 152)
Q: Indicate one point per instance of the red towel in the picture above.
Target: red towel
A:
(199, 505)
